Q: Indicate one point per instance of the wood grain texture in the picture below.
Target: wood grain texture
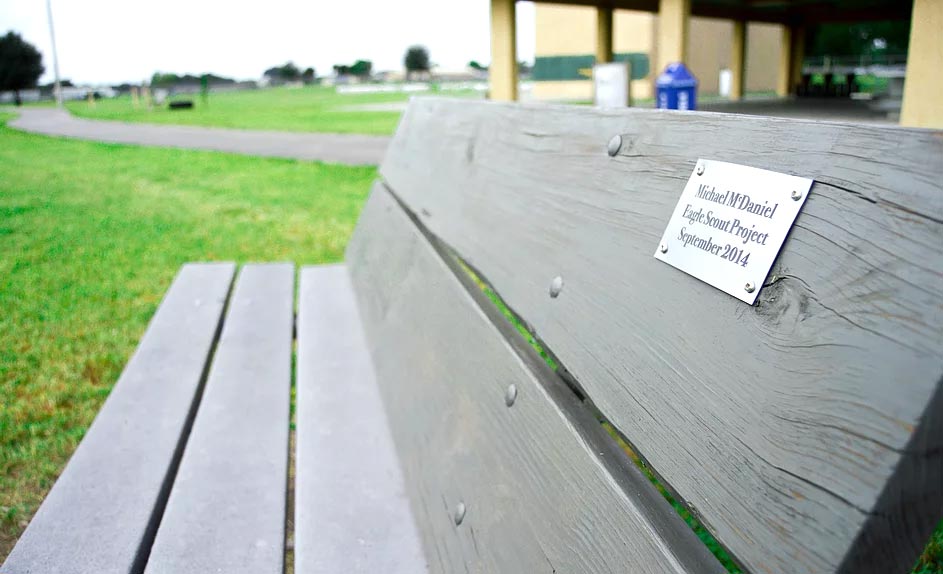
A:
(101, 515)
(351, 510)
(226, 512)
(537, 487)
(806, 430)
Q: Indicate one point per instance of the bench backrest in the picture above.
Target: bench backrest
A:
(804, 432)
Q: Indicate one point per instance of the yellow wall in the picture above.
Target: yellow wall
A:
(762, 56)
(563, 30)
(635, 32)
(571, 90)
(571, 30)
(709, 51)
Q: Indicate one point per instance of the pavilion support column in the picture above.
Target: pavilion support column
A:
(738, 61)
(785, 64)
(924, 82)
(502, 75)
(673, 16)
(791, 54)
(603, 34)
(797, 57)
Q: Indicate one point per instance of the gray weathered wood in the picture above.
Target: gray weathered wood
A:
(226, 512)
(807, 431)
(536, 479)
(100, 516)
(351, 510)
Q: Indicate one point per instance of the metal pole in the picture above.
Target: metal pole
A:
(55, 56)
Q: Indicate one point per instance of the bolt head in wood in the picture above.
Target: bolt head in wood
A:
(615, 144)
(510, 395)
(796, 195)
(700, 169)
(749, 287)
(459, 514)
(663, 248)
(556, 286)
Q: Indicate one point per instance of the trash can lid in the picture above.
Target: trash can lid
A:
(676, 75)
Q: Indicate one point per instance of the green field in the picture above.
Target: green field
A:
(307, 109)
(91, 236)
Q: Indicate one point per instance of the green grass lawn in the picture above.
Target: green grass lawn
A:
(91, 236)
(308, 109)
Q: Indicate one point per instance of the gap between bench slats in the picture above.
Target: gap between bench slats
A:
(101, 514)
(351, 510)
(537, 496)
(802, 429)
(226, 512)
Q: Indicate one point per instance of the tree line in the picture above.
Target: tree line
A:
(21, 67)
(416, 60)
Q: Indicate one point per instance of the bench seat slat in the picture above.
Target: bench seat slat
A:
(351, 510)
(100, 515)
(807, 430)
(538, 490)
(226, 512)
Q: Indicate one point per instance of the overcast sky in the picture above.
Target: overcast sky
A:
(113, 41)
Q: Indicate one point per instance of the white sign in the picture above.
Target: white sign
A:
(611, 85)
(729, 224)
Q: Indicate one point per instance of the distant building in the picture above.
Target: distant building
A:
(566, 41)
(69, 92)
(460, 75)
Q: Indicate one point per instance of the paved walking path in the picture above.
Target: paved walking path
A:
(333, 148)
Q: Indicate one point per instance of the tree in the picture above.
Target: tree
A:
(290, 72)
(162, 79)
(474, 65)
(205, 88)
(416, 60)
(21, 65)
(280, 74)
(308, 76)
(361, 68)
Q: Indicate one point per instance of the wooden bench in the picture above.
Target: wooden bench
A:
(804, 432)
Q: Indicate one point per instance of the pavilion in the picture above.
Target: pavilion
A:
(923, 87)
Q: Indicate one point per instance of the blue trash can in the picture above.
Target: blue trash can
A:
(676, 88)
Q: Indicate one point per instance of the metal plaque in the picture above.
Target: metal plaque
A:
(729, 224)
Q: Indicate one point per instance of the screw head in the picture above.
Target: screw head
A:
(510, 395)
(459, 514)
(556, 286)
(796, 195)
(700, 169)
(663, 248)
(615, 144)
(749, 287)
